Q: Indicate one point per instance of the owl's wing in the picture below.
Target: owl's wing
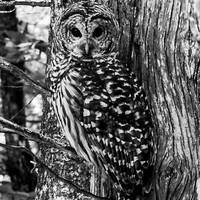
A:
(116, 120)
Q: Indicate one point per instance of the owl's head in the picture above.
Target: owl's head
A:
(88, 30)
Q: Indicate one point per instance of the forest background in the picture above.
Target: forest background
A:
(23, 41)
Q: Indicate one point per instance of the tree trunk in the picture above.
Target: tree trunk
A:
(167, 48)
(159, 40)
(124, 11)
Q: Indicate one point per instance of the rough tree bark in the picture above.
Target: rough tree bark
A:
(167, 43)
(160, 40)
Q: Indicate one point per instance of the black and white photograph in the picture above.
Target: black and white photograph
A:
(99, 99)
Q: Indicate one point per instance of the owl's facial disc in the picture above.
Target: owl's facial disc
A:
(85, 42)
(82, 46)
(90, 45)
(88, 36)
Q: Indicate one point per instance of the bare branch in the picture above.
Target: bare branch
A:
(44, 3)
(4, 65)
(7, 131)
(6, 11)
(31, 135)
(67, 181)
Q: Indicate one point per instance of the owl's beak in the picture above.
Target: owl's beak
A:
(87, 48)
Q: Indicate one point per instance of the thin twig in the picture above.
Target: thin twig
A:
(22, 109)
(7, 131)
(6, 11)
(4, 65)
(68, 182)
(31, 135)
(26, 3)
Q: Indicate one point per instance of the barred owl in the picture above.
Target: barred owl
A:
(99, 103)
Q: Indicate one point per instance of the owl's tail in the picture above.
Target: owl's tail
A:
(139, 192)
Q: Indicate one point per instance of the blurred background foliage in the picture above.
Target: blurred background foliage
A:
(34, 25)
(23, 42)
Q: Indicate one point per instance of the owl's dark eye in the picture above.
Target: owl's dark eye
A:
(76, 33)
(98, 32)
